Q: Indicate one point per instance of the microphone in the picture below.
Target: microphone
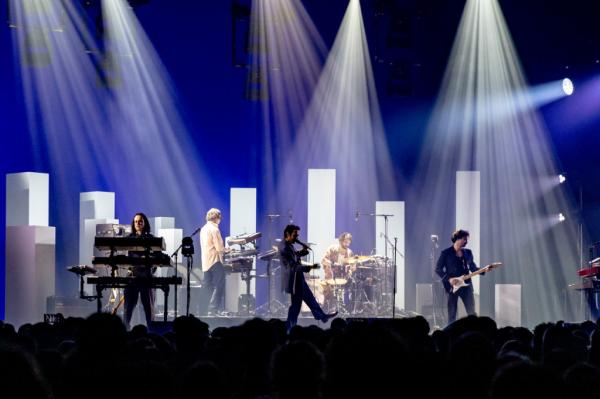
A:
(356, 216)
(303, 244)
(434, 237)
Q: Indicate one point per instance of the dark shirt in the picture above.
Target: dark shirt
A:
(292, 270)
(450, 265)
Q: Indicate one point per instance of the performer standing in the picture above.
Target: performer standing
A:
(337, 269)
(213, 248)
(140, 227)
(293, 278)
(453, 263)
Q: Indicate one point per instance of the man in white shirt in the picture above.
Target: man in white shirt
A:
(213, 248)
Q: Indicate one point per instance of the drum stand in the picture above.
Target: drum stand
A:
(360, 302)
(273, 307)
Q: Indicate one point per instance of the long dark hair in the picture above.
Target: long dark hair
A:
(146, 229)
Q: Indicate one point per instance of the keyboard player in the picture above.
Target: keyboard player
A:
(140, 227)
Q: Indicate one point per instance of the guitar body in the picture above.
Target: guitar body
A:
(459, 282)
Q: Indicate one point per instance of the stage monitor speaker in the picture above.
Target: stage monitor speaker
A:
(70, 306)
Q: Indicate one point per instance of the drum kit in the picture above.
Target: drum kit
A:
(358, 287)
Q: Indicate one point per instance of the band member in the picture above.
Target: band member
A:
(453, 263)
(211, 244)
(337, 269)
(140, 227)
(293, 278)
(335, 261)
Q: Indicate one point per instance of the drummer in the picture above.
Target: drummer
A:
(336, 259)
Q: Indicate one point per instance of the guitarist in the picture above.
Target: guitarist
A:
(293, 278)
(453, 263)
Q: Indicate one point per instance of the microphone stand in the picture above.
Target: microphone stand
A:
(174, 255)
(188, 255)
(386, 217)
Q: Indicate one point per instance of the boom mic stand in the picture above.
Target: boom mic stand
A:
(385, 217)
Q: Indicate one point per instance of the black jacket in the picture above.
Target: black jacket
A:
(449, 265)
(292, 270)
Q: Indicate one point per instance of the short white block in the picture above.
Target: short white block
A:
(161, 222)
(30, 272)
(424, 298)
(508, 305)
(27, 196)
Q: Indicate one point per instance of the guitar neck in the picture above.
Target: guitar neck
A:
(475, 273)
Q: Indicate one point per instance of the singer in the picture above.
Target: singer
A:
(293, 278)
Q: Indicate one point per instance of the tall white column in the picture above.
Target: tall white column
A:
(321, 210)
(468, 214)
(242, 220)
(468, 211)
(395, 230)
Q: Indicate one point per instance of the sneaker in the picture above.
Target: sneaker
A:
(328, 317)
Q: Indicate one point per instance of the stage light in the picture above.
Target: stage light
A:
(561, 217)
(567, 86)
(562, 178)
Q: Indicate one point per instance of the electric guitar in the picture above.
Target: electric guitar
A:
(457, 283)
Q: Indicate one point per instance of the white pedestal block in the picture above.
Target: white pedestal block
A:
(160, 222)
(96, 205)
(27, 199)
(424, 299)
(30, 272)
(508, 305)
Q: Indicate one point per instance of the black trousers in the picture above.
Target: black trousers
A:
(131, 293)
(303, 293)
(214, 279)
(468, 299)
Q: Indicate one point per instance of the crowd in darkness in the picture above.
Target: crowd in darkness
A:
(472, 358)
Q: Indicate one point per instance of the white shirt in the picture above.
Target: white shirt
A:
(211, 245)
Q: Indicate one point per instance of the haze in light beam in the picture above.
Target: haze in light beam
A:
(484, 120)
